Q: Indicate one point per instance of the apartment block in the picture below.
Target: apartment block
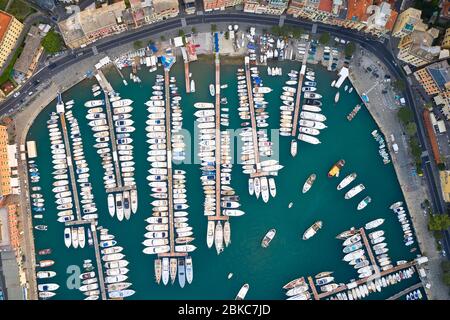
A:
(417, 48)
(408, 21)
(10, 30)
(446, 40)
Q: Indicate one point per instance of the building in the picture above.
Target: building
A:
(164, 9)
(30, 55)
(408, 21)
(10, 30)
(209, 5)
(189, 6)
(374, 17)
(444, 14)
(417, 48)
(5, 176)
(275, 7)
(92, 24)
(434, 78)
(446, 40)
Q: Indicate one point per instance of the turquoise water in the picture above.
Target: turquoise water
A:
(288, 257)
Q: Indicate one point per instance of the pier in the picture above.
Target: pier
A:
(318, 296)
(369, 251)
(70, 166)
(406, 291)
(106, 86)
(172, 252)
(301, 75)
(101, 280)
(187, 79)
(218, 142)
(248, 79)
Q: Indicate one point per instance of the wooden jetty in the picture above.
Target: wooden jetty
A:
(318, 296)
(70, 166)
(187, 79)
(258, 172)
(172, 252)
(218, 215)
(98, 259)
(406, 291)
(301, 75)
(78, 222)
(369, 251)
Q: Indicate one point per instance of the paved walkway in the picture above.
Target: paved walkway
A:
(414, 188)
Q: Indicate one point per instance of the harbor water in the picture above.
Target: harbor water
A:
(288, 256)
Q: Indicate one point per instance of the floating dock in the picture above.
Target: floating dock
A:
(301, 75)
(406, 291)
(369, 251)
(218, 215)
(259, 172)
(70, 166)
(99, 261)
(172, 252)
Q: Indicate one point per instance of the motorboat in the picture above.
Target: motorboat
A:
(268, 238)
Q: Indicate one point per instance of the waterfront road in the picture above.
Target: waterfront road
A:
(376, 46)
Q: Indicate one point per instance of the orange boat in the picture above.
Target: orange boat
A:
(334, 171)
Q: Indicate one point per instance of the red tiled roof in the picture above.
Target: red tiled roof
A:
(391, 21)
(5, 19)
(326, 5)
(357, 9)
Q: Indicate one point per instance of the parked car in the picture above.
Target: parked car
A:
(15, 95)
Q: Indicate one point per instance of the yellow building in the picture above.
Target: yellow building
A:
(434, 78)
(408, 21)
(446, 41)
(445, 184)
(5, 173)
(164, 9)
(10, 30)
(417, 49)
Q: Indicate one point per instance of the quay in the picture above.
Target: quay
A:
(172, 252)
(406, 291)
(301, 75)
(101, 280)
(70, 165)
(218, 142)
(106, 86)
(258, 172)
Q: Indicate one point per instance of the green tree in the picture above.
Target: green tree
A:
(297, 33)
(213, 28)
(446, 278)
(162, 38)
(411, 128)
(151, 42)
(445, 265)
(276, 30)
(405, 115)
(127, 4)
(428, 105)
(227, 35)
(181, 33)
(439, 222)
(137, 44)
(441, 166)
(349, 49)
(324, 38)
(399, 85)
(194, 30)
(52, 42)
(415, 149)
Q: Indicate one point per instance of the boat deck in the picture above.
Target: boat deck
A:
(101, 280)
(103, 82)
(120, 189)
(70, 166)
(301, 75)
(78, 222)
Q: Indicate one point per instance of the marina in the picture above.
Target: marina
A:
(250, 264)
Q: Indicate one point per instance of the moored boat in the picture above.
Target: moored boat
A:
(308, 183)
(311, 231)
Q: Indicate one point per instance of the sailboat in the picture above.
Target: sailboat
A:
(210, 233)
(227, 233)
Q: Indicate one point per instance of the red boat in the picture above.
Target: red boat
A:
(44, 252)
